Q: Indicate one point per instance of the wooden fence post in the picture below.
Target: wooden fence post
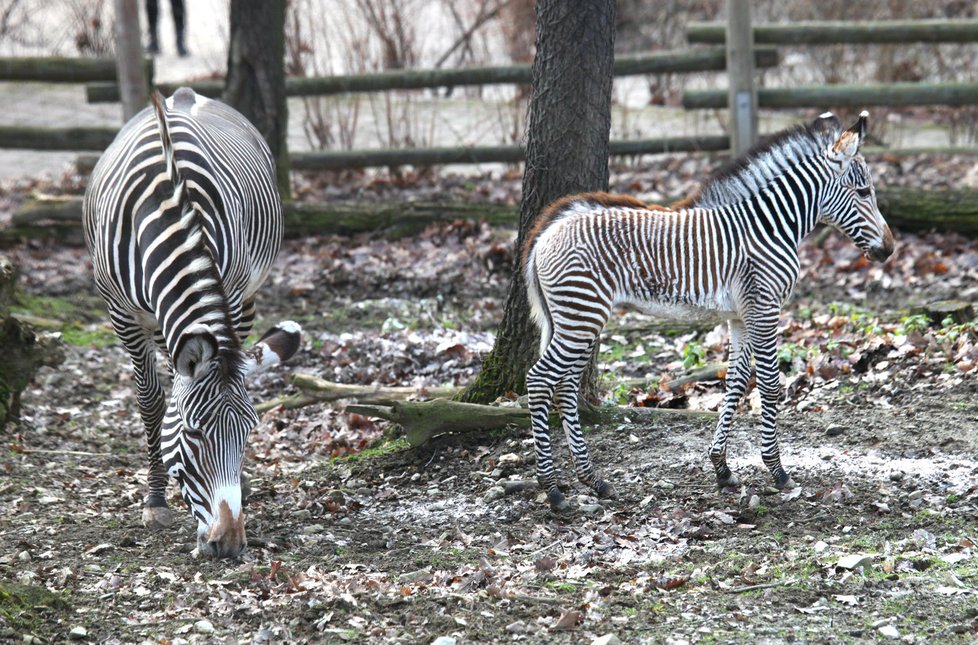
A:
(740, 69)
(129, 58)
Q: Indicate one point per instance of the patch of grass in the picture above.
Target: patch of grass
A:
(385, 448)
(30, 607)
(81, 319)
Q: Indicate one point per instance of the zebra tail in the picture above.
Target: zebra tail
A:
(169, 159)
(539, 311)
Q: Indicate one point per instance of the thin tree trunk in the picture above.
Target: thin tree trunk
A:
(255, 84)
(133, 88)
(566, 152)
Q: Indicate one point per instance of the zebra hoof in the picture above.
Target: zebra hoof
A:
(730, 481)
(157, 518)
(558, 504)
(604, 489)
(786, 482)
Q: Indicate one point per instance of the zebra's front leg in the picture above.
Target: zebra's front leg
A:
(738, 373)
(764, 341)
(568, 400)
(152, 405)
(540, 383)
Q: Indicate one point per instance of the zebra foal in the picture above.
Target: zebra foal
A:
(730, 253)
(183, 220)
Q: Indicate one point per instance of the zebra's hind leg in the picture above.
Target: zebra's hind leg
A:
(738, 372)
(568, 393)
(540, 383)
(764, 343)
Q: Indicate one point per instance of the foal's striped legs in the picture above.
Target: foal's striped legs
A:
(558, 372)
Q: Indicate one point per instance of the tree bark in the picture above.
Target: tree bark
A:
(255, 84)
(567, 152)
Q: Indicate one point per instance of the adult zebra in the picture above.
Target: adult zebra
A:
(730, 253)
(183, 221)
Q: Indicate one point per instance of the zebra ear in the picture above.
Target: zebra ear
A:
(195, 351)
(826, 128)
(279, 344)
(859, 127)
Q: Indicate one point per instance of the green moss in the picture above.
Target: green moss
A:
(385, 448)
(29, 607)
(81, 319)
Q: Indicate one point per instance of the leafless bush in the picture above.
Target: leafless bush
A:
(93, 33)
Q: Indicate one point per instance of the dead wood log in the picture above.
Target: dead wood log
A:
(317, 390)
(712, 372)
(957, 310)
(905, 209)
(423, 420)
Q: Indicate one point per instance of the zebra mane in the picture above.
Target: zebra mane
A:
(747, 175)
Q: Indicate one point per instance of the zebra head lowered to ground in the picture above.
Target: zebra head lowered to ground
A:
(183, 221)
(730, 252)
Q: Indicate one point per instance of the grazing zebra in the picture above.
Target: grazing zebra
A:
(183, 220)
(730, 253)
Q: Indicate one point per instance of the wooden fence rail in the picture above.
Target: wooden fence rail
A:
(30, 138)
(59, 69)
(667, 62)
(844, 33)
(826, 96)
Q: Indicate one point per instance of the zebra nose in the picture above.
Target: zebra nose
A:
(885, 249)
(225, 538)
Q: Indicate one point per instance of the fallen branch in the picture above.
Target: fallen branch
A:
(766, 585)
(423, 420)
(317, 390)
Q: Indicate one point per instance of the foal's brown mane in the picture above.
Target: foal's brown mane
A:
(595, 199)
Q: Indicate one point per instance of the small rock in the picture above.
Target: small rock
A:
(519, 627)
(889, 631)
(820, 546)
(204, 626)
(336, 495)
(438, 506)
(444, 640)
(24, 556)
(494, 493)
(77, 633)
(896, 475)
(415, 477)
(313, 529)
(834, 430)
(607, 639)
(854, 561)
(496, 473)
(509, 460)
(302, 514)
(664, 485)
(591, 509)
(755, 501)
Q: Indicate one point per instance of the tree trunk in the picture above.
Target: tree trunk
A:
(133, 88)
(255, 84)
(22, 350)
(567, 152)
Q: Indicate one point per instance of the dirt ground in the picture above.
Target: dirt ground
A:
(354, 537)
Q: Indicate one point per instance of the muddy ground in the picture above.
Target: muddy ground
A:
(354, 537)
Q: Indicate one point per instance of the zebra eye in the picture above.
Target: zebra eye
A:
(864, 191)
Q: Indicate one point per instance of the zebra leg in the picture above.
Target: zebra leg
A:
(568, 398)
(151, 401)
(738, 372)
(541, 381)
(764, 343)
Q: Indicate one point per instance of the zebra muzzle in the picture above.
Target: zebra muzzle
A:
(225, 538)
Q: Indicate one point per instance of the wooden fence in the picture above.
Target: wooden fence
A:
(99, 89)
(889, 32)
(99, 75)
